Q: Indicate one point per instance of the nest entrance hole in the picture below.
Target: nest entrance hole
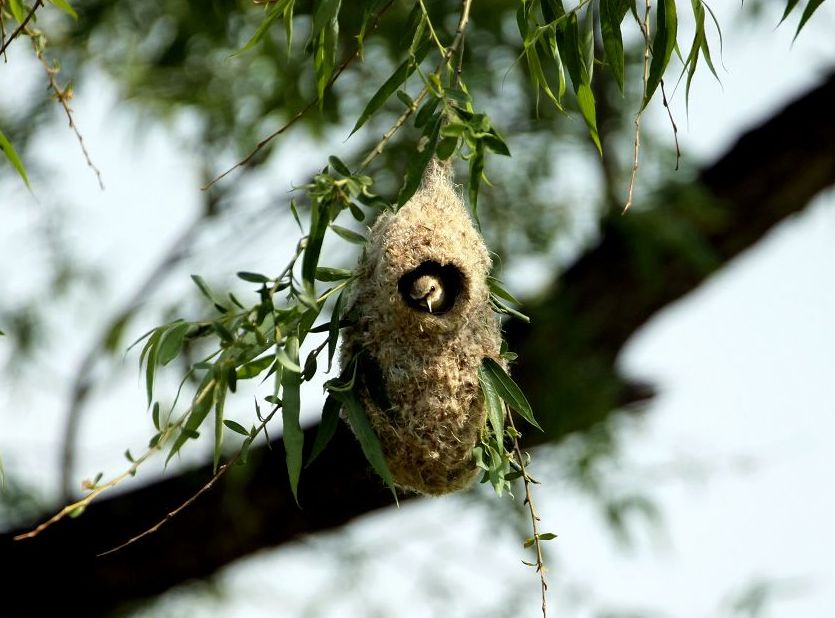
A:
(431, 287)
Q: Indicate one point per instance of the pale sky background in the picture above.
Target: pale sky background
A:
(736, 450)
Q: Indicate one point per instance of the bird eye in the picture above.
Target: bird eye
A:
(432, 289)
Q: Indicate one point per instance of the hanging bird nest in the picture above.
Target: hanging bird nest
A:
(424, 325)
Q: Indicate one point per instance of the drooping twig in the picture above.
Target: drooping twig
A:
(645, 30)
(97, 489)
(308, 106)
(176, 252)
(672, 122)
(540, 563)
(172, 514)
(64, 95)
(21, 27)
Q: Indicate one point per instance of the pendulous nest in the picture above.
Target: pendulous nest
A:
(424, 325)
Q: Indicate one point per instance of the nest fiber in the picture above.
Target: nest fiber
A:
(425, 357)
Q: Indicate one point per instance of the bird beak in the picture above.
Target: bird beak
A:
(429, 304)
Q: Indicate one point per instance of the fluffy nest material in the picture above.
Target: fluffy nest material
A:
(419, 382)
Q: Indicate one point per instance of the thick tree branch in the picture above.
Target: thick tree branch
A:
(644, 262)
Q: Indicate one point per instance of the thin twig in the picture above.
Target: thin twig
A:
(457, 41)
(672, 122)
(540, 563)
(99, 489)
(177, 251)
(432, 29)
(310, 104)
(380, 146)
(172, 514)
(63, 95)
(3, 33)
(22, 26)
(86, 500)
(645, 31)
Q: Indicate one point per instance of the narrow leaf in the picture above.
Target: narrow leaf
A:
(349, 235)
(65, 6)
(400, 75)
(14, 159)
(327, 427)
(426, 148)
(369, 442)
(493, 403)
(172, 342)
(807, 13)
(324, 273)
(236, 427)
(612, 13)
(663, 44)
(508, 390)
(253, 277)
(283, 356)
(293, 435)
(220, 400)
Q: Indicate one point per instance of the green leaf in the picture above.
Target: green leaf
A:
(807, 13)
(508, 390)
(499, 290)
(327, 427)
(16, 7)
(493, 403)
(324, 273)
(663, 44)
(236, 427)
(790, 4)
(369, 442)
(220, 400)
(253, 277)
(172, 342)
(283, 356)
(152, 348)
(612, 13)
(417, 165)
(281, 7)
(65, 6)
(476, 172)
(585, 101)
(14, 159)
(200, 407)
(337, 164)
(326, 11)
(349, 235)
(333, 328)
(293, 435)
(547, 536)
(318, 227)
(203, 287)
(254, 367)
(425, 112)
(400, 75)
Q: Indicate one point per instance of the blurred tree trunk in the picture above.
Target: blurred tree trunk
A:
(643, 262)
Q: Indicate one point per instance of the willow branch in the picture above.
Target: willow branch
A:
(528, 481)
(64, 95)
(645, 31)
(310, 104)
(171, 515)
(22, 26)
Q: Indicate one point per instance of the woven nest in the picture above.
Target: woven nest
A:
(424, 325)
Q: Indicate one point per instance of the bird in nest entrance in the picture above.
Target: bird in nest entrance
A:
(431, 287)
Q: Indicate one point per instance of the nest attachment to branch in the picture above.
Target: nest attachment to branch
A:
(424, 326)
